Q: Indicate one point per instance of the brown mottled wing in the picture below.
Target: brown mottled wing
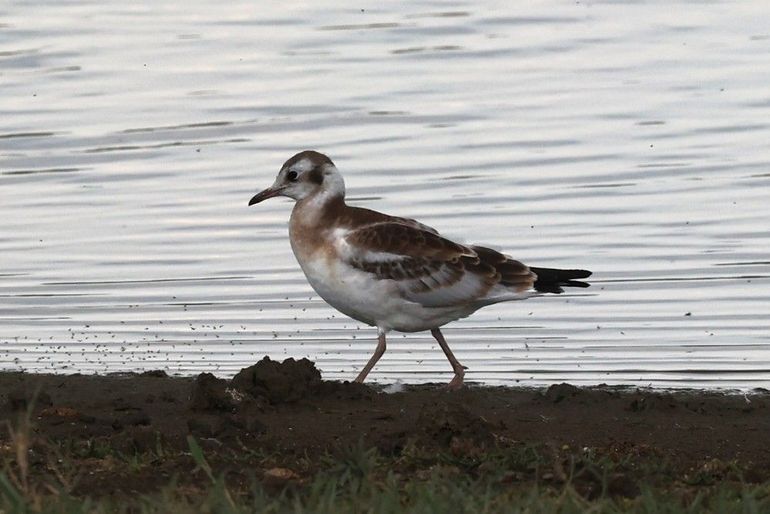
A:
(513, 274)
(414, 223)
(428, 269)
(403, 241)
(373, 217)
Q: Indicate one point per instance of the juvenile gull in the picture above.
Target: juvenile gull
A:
(395, 273)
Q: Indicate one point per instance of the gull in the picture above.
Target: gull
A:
(395, 273)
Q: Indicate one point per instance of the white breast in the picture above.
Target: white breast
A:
(356, 293)
(375, 302)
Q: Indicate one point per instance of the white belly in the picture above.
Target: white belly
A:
(375, 302)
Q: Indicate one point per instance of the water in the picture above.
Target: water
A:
(628, 138)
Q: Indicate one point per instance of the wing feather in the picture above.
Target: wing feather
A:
(428, 268)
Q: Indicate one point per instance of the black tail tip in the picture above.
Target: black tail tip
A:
(579, 273)
(551, 280)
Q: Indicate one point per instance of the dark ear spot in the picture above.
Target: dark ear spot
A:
(316, 175)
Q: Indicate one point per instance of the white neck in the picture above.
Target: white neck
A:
(334, 184)
(310, 209)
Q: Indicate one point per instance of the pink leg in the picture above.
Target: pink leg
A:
(459, 369)
(377, 354)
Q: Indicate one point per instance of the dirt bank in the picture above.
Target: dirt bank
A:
(283, 416)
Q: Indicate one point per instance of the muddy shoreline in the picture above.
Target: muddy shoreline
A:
(283, 416)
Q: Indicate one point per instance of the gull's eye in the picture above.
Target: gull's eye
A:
(291, 176)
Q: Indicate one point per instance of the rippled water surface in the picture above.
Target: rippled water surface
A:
(629, 138)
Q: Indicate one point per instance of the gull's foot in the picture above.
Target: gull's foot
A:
(456, 383)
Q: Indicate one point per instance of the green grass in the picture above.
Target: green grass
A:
(362, 480)
(334, 494)
(81, 476)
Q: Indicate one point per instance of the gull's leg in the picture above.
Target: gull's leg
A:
(459, 369)
(377, 354)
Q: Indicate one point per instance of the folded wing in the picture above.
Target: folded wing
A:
(431, 270)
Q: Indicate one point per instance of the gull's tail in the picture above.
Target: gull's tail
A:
(551, 280)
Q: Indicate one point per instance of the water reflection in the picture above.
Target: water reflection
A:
(131, 140)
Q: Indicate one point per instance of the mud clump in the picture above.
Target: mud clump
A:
(210, 393)
(641, 402)
(347, 391)
(154, 373)
(279, 382)
(560, 392)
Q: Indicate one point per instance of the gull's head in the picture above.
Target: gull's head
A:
(307, 174)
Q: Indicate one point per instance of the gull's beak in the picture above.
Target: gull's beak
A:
(264, 195)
